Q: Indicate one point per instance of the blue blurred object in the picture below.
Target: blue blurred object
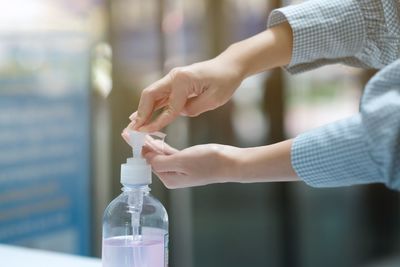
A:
(44, 140)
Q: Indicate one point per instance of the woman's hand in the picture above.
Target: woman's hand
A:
(188, 91)
(193, 166)
(213, 163)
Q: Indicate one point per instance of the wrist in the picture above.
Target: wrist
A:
(240, 58)
(266, 50)
(231, 60)
(269, 163)
(229, 162)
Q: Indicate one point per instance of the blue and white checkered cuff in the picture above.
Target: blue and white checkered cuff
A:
(334, 155)
(324, 32)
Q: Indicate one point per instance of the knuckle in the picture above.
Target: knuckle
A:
(179, 73)
(146, 93)
(175, 72)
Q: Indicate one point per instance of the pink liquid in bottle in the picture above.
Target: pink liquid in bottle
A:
(123, 251)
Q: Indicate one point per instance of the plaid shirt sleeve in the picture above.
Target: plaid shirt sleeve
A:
(364, 148)
(361, 33)
(361, 149)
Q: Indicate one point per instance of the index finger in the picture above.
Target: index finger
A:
(164, 163)
(150, 95)
(176, 103)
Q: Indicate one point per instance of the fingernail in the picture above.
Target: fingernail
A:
(133, 116)
(125, 135)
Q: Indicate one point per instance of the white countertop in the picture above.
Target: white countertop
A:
(11, 256)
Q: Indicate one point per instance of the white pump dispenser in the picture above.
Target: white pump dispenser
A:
(136, 171)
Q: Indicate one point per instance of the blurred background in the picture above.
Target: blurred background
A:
(71, 72)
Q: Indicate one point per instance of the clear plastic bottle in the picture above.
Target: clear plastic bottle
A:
(135, 224)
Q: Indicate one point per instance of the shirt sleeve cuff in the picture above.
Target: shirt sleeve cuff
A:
(323, 32)
(334, 155)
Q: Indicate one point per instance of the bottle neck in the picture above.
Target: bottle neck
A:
(144, 188)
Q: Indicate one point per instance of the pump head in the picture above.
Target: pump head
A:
(136, 171)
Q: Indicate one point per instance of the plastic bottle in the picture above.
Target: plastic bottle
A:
(135, 224)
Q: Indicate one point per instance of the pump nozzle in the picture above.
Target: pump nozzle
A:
(137, 140)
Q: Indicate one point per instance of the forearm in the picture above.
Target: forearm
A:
(270, 163)
(266, 50)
